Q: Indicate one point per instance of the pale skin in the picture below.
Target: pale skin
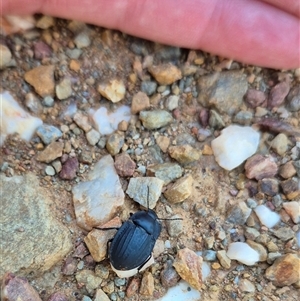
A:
(259, 32)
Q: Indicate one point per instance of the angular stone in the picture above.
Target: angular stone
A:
(165, 74)
(167, 172)
(42, 79)
(260, 167)
(280, 144)
(15, 120)
(284, 233)
(184, 154)
(224, 259)
(235, 145)
(291, 188)
(239, 214)
(69, 169)
(93, 137)
(17, 288)
(255, 97)
(293, 210)
(147, 285)
(223, 91)
(51, 152)
(124, 165)
(163, 142)
(88, 279)
(189, 266)
(287, 170)
(145, 191)
(114, 143)
(58, 297)
(32, 238)
(64, 89)
(278, 94)
(48, 133)
(5, 57)
(174, 225)
(133, 287)
(293, 99)
(101, 296)
(180, 190)
(82, 121)
(260, 249)
(96, 201)
(284, 271)
(140, 101)
(114, 90)
(269, 186)
(243, 253)
(155, 119)
(169, 277)
(97, 240)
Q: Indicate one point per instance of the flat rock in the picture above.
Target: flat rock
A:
(17, 288)
(96, 201)
(235, 145)
(42, 80)
(53, 151)
(184, 154)
(259, 167)
(145, 190)
(48, 133)
(155, 119)
(180, 190)
(189, 266)
(223, 91)
(114, 90)
(165, 74)
(101, 296)
(167, 172)
(32, 238)
(82, 121)
(284, 271)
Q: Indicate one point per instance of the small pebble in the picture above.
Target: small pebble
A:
(49, 170)
(48, 133)
(48, 101)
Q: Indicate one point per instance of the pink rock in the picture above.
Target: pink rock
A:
(17, 288)
(69, 169)
(41, 50)
(278, 94)
(260, 167)
(203, 117)
(58, 297)
(124, 165)
(255, 97)
(70, 266)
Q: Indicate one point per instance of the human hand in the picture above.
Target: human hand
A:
(264, 33)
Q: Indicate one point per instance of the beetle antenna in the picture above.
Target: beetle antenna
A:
(171, 219)
(148, 193)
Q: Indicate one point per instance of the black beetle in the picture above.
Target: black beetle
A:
(131, 248)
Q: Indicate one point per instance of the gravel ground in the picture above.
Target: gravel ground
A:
(180, 100)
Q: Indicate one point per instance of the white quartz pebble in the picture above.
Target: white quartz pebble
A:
(235, 145)
(267, 217)
(15, 120)
(243, 253)
(107, 122)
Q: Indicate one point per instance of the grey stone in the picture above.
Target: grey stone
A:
(48, 101)
(174, 225)
(243, 117)
(82, 40)
(92, 137)
(155, 119)
(74, 53)
(48, 133)
(215, 121)
(148, 87)
(89, 279)
(32, 240)
(167, 172)
(293, 99)
(284, 233)
(238, 214)
(145, 190)
(209, 255)
(223, 91)
(49, 170)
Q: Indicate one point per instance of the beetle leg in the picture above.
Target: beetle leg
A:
(112, 228)
(146, 263)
